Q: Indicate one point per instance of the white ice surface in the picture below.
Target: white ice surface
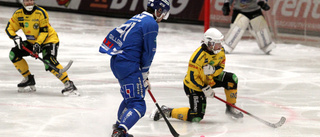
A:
(285, 83)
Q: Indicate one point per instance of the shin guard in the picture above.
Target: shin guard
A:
(22, 67)
(260, 30)
(231, 96)
(180, 113)
(62, 77)
(235, 33)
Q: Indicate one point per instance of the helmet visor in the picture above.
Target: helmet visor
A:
(165, 15)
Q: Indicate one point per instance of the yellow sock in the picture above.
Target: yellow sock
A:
(180, 113)
(62, 77)
(231, 96)
(22, 67)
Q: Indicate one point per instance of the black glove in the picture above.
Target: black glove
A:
(264, 5)
(36, 48)
(17, 40)
(226, 9)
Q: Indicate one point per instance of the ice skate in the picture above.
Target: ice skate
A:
(27, 84)
(115, 126)
(70, 89)
(156, 115)
(120, 133)
(233, 113)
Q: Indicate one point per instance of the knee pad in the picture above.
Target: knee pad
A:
(14, 55)
(49, 53)
(50, 59)
(232, 80)
(195, 117)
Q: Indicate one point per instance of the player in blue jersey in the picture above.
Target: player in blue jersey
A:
(132, 46)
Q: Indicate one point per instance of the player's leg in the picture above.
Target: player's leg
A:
(16, 56)
(260, 30)
(196, 112)
(236, 32)
(133, 106)
(49, 53)
(229, 81)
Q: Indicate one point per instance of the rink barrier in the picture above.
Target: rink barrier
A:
(294, 21)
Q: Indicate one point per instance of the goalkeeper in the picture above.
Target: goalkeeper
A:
(205, 72)
(248, 14)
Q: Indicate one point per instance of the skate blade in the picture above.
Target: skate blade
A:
(71, 93)
(153, 114)
(234, 119)
(28, 89)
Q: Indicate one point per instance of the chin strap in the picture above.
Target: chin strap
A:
(29, 8)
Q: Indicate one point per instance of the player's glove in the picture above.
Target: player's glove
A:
(17, 41)
(36, 48)
(264, 5)
(208, 69)
(226, 9)
(146, 82)
(208, 92)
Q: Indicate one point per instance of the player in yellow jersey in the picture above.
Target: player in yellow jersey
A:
(205, 72)
(41, 38)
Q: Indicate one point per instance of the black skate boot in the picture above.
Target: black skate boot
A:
(156, 115)
(27, 82)
(233, 113)
(70, 89)
(120, 133)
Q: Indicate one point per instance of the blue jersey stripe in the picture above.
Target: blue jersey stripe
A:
(194, 81)
(44, 13)
(197, 56)
(8, 31)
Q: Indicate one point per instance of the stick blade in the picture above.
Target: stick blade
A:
(280, 123)
(66, 67)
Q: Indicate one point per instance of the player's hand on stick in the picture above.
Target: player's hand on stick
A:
(36, 48)
(208, 92)
(146, 82)
(226, 9)
(17, 41)
(264, 5)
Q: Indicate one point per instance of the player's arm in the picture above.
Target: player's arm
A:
(196, 74)
(149, 48)
(13, 26)
(226, 7)
(43, 27)
(198, 78)
(264, 5)
(220, 67)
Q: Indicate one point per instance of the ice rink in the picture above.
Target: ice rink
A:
(285, 83)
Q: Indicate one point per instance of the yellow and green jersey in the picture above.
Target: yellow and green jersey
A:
(195, 78)
(35, 25)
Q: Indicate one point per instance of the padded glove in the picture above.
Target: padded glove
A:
(17, 41)
(264, 5)
(226, 9)
(36, 48)
(208, 69)
(208, 92)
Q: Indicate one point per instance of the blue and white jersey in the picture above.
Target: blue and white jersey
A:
(135, 40)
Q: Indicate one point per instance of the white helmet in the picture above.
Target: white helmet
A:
(213, 36)
(28, 8)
